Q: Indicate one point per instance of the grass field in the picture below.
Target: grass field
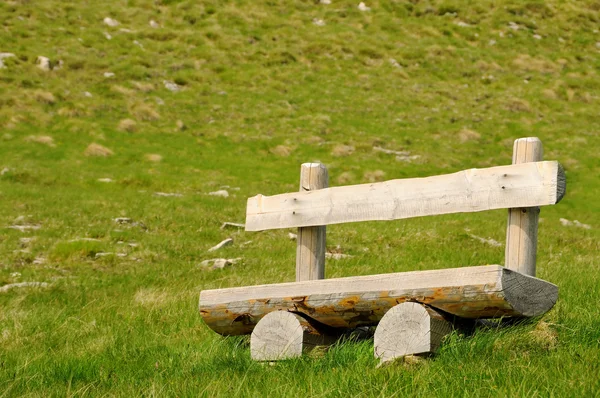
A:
(191, 97)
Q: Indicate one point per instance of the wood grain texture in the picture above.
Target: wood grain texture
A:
(521, 185)
(284, 335)
(522, 226)
(310, 252)
(409, 328)
(469, 292)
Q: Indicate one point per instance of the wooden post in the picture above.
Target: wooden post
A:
(407, 329)
(310, 253)
(521, 232)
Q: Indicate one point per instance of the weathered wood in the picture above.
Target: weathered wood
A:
(521, 232)
(409, 328)
(310, 252)
(469, 292)
(521, 185)
(283, 335)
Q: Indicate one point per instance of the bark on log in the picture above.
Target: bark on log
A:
(469, 292)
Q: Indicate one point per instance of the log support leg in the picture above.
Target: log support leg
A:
(409, 328)
(283, 335)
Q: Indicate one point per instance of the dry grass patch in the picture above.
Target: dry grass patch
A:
(153, 157)
(529, 64)
(466, 135)
(281, 150)
(123, 90)
(341, 150)
(345, 178)
(151, 298)
(42, 139)
(44, 97)
(144, 112)
(128, 125)
(97, 150)
(518, 105)
(143, 87)
(374, 176)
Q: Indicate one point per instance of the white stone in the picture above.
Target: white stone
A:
(168, 194)
(318, 22)
(537, 37)
(109, 74)
(43, 63)
(227, 224)
(337, 256)
(105, 180)
(154, 24)
(87, 94)
(222, 193)
(219, 263)
(462, 24)
(171, 86)
(107, 35)
(226, 242)
(292, 236)
(3, 56)
(123, 220)
(363, 7)
(111, 22)
(11, 286)
(325, 1)
(4, 171)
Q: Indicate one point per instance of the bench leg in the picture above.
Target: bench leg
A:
(284, 335)
(407, 329)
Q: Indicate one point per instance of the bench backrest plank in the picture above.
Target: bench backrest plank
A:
(513, 186)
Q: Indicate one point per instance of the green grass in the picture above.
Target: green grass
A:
(264, 89)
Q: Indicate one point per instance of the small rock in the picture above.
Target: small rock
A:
(318, 22)
(97, 150)
(154, 24)
(394, 63)
(123, 220)
(222, 193)
(337, 256)
(107, 35)
(84, 240)
(87, 94)
(111, 22)
(105, 179)
(43, 63)
(226, 242)
(3, 56)
(24, 228)
(219, 263)
(159, 101)
(488, 241)
(4, 171)
(292, 236)
(15, 275)
(171, 86)
(407, 158)
(168, 194)
(568, 223)
(137, 43)
(390, 152)
(180, 125)
(325, 2)
(103, 254)
(462, 24)
(492, 42)
(227, 224)
(363, 7)
(39, 260)
(124, 30)
(537, 37)
(10, 286)
(109, 74)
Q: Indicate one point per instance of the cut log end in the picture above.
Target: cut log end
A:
(529, 296)
(283, 335)
(407, 329)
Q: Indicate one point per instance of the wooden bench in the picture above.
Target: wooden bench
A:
(411, 309)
